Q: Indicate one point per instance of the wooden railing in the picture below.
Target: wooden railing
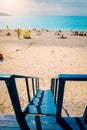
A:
(10, 81)
(57, 88)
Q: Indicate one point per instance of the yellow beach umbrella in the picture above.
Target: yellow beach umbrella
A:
(25, 32)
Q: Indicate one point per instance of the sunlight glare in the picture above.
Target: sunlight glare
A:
(13, 6)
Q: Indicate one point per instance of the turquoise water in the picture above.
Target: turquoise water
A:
(46, 22)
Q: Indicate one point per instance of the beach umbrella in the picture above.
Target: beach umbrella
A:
(25, 32)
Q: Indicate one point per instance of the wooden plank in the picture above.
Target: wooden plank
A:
(62, 79)
(8, 122)
(27, 87)
(42, 110)
(73, 77)
(72, 123)
(34, 122)
(60, 98)
(37, 96)
(5, 76)
(43, 105)
(9, 128)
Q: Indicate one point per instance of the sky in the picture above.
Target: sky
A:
(43, 7)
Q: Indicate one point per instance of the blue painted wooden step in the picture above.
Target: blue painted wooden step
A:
(8, 122)
(42, 103)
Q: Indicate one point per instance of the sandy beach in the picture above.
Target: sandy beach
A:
(45, 55)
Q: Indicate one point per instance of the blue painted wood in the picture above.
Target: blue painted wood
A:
(62, 79)
(7, 76)
(52, 85)
(8, 122)
(11, 86)
(60, 98)
(38, 84)
(26, 109)
(73, 77)
(56, 91)
(85, 115)
(33, 87)
(28, 91)
(42, 103)
(4, 76)
(44, 110)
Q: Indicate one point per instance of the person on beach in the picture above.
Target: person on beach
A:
(8, 31)
(62, 37)
(18, 32)
(1, 57)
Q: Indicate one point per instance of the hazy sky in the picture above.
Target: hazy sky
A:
(44, 7)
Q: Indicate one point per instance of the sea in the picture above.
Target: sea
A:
(44, 22)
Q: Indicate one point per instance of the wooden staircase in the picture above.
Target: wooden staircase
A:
(42, 104)
(43, 112)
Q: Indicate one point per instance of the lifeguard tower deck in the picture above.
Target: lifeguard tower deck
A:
(43, 111)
